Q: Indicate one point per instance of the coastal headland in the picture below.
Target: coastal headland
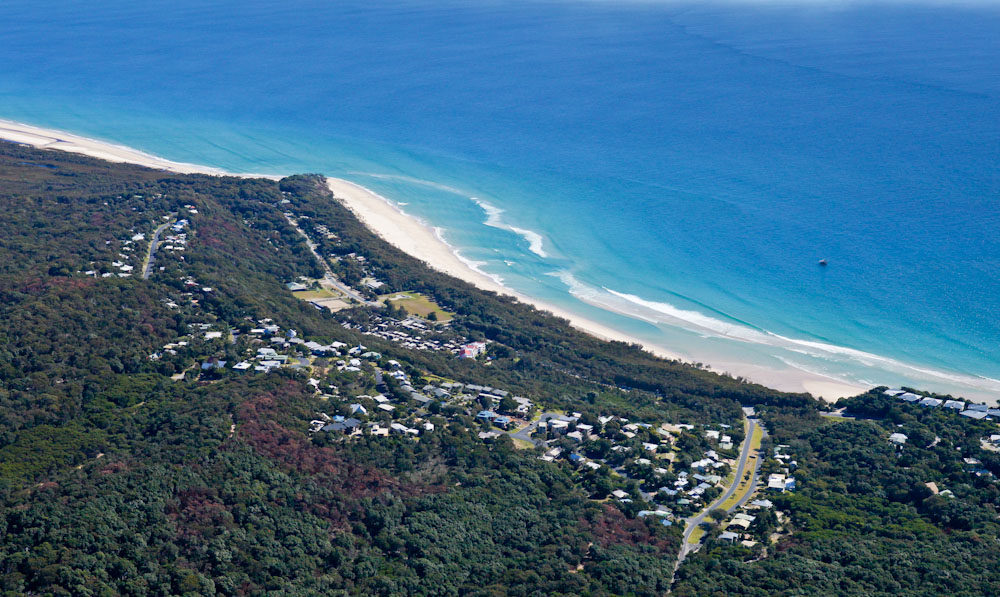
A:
(428, 244)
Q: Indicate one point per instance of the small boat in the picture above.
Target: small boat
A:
(822, 262)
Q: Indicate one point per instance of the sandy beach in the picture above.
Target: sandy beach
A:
(421, 241)
(416, 238)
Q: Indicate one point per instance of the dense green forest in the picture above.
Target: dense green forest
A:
(125, 471)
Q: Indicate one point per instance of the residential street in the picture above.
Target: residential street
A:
(148, 266)
(693, 522)
(329, 277)
(525, 434)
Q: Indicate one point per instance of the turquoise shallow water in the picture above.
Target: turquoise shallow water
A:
(673, 170)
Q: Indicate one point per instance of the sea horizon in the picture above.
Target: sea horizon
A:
(701, 235)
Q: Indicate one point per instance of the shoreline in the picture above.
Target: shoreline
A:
(414, 237)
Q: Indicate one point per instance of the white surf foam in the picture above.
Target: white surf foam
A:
(665, 313)
(536, 242)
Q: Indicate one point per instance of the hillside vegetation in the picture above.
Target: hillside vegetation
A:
(132, 462)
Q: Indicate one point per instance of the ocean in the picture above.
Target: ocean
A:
(675, 170)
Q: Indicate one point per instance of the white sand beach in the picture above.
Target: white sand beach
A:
(420, 240)
(414, 237)
(49, 139)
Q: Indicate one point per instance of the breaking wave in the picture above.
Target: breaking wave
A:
(535, 240)
(657, 312)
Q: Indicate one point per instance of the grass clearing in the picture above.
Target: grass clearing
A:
(431, 378)
(418, 304)
(311, 295)
(522, 444)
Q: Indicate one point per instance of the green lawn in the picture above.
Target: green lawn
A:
(417, 304)
(311, 295)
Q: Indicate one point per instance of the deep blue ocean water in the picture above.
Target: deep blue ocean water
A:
(676, 170)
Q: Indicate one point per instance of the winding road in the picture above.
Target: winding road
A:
(148, 266)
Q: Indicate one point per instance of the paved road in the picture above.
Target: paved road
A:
(148, 267)
(693, 522)
(329, 277)
(525, 434)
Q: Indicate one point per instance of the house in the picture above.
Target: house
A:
(345, 426)
(502, 422)
(728, 536)
(402, 429)
(559, 426)
(386, 407)
(575, 436)
(740, 523)
(954, 404)
(213, 335)
(746, 517)
(974, 414)
(898, 438)
(977, 407)
(776, 482)
(472, 350)
(618, 493)
(486, 415)
(358, 408)
(241, 366)
(893, 392)
(762, 504)
(701, 465)
(931, 402)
